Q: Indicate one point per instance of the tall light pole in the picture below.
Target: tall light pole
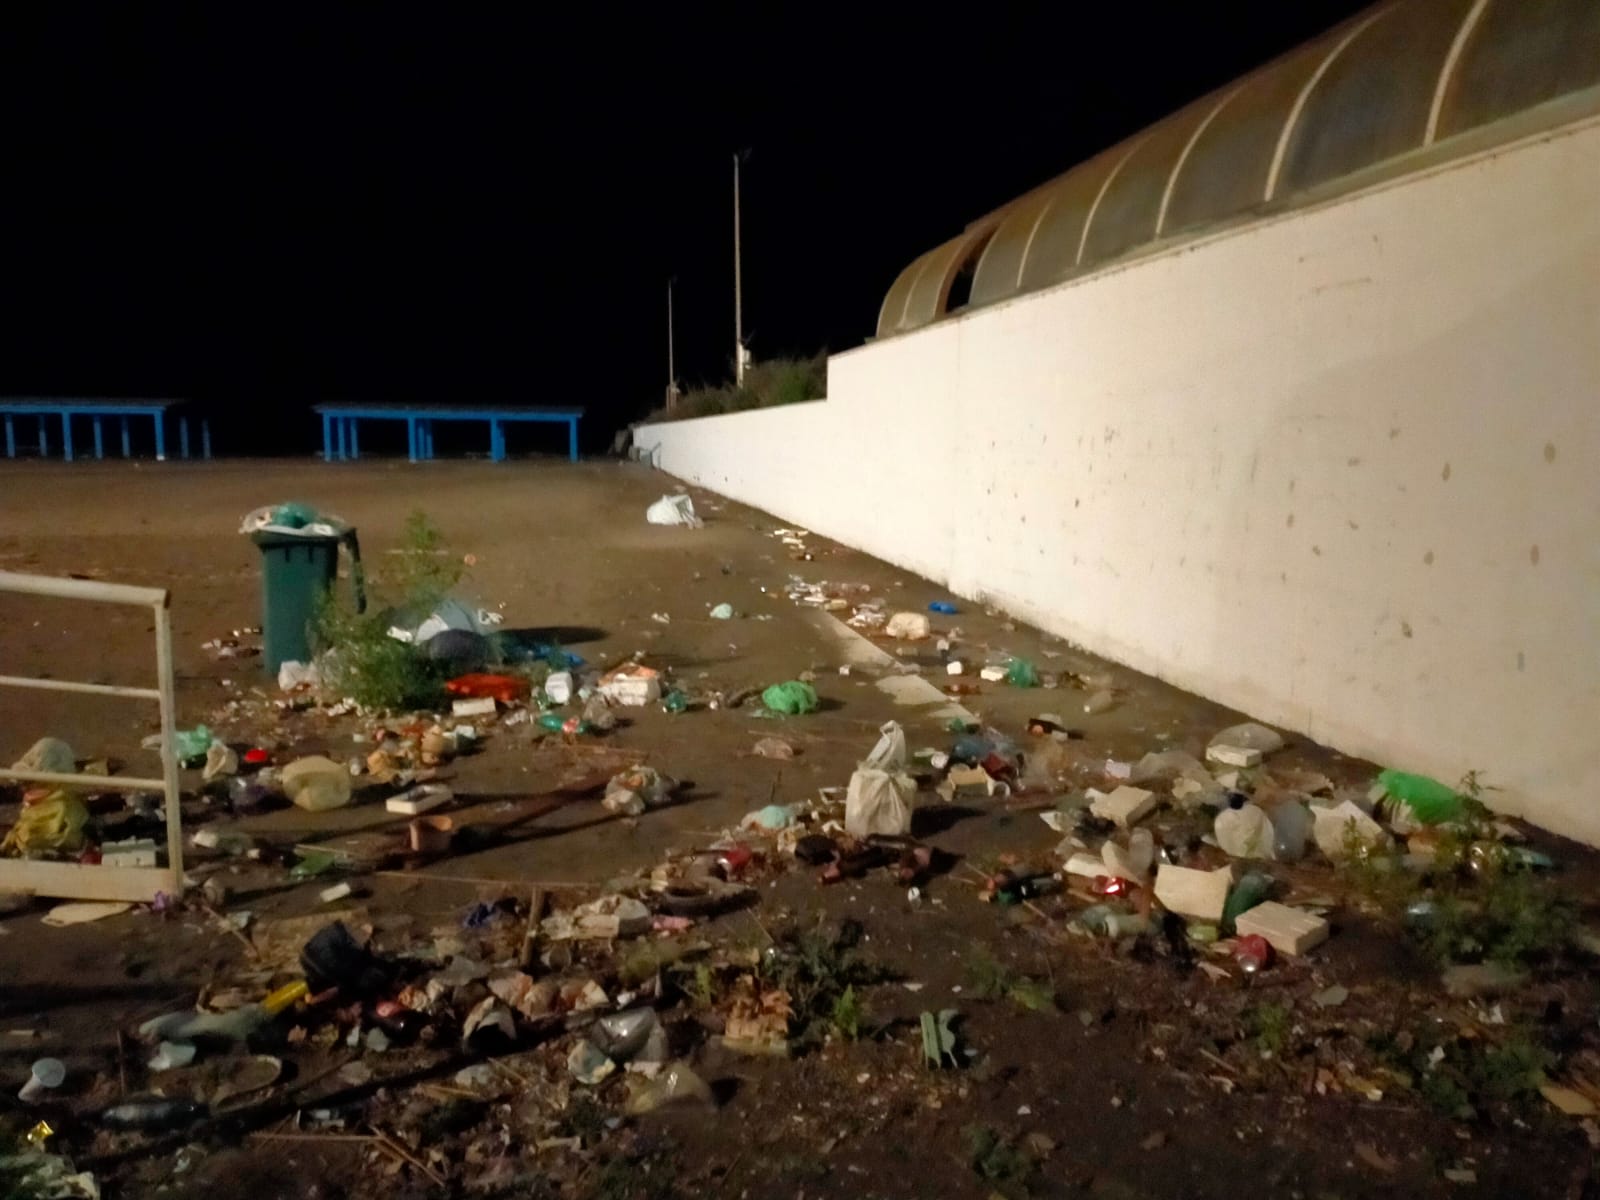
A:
(738, 281)
(672, 365)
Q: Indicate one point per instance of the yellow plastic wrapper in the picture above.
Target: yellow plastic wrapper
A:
(54, 824)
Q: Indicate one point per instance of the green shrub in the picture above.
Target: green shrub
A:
(766, 385)
(359, 658)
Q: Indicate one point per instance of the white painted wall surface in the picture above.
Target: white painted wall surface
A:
(1340, 470)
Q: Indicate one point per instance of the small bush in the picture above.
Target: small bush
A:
(991, 979)
(766, 385)
(821, 971)
(359, 658)
(994, 1159)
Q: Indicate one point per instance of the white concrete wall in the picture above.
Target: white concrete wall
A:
(1340, 470)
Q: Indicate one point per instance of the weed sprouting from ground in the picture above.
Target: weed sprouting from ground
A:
(646, 1172)
(1270, 1025)
(1475, 902)
(821, 971)
(991, 979)
(1460, 1076)
(359, 657)
(848, 1014)
(996, 1160)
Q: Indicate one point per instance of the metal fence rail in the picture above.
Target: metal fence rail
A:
(141, 884)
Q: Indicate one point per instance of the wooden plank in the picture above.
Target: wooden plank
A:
(78, 882)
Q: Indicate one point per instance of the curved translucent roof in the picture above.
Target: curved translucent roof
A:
(1375, 95)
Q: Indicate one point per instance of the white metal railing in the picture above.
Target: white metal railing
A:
(140, 884)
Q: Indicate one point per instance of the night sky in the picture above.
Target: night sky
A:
(483, 204)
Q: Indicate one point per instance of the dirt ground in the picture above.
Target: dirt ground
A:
(1141, 1077)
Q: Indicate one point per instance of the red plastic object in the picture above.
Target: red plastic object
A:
(734, 859)
(507, 689)
(997, 767)
(1252, 952)
(1109, 885)
(256, 758)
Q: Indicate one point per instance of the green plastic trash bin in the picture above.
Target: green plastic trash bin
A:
(296, 571)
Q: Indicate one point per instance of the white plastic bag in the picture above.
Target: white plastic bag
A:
(673, 510)
(316, 784)
(908, 626)
(881, 795)
(1246, 832)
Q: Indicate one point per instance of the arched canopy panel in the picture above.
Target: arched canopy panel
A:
(1401, 77)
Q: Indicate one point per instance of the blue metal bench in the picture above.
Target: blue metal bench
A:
(340, 441)
(46, 409)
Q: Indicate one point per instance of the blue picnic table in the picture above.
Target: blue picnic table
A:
(341, 442)
(47, 409)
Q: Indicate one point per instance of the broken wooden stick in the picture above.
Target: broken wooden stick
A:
(530, 936)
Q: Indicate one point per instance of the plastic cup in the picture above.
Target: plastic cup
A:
(48, 1073)
(431, 835)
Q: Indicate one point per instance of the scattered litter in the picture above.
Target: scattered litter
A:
(1246, 832)
(673, 510)
(586, 1063)
(170, 1055)
(1331, 997)
(1287, 930)
(722, 612)
(1428, 801)
(881, 794)
(48, 756)
(676, 1085)
(606, 918)
(771, 747)
(316, 784)
(1340, 829)
(45, 1075)
(908, 626)
(81, 913)
(1126, 806)
(636, 790)
(793, 698)
(771, 818)
(48, 826)
(130, 852)
(939, 1038)
(419, 800)
(1193, 893)
(1022, 673)
(1244, 745)
(298, 676)
(1568, 1100)
(633, 685)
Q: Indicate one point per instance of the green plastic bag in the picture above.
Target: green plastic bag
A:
(1430, 801)
(1021, 674)
(793, 698)
(190, 744)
